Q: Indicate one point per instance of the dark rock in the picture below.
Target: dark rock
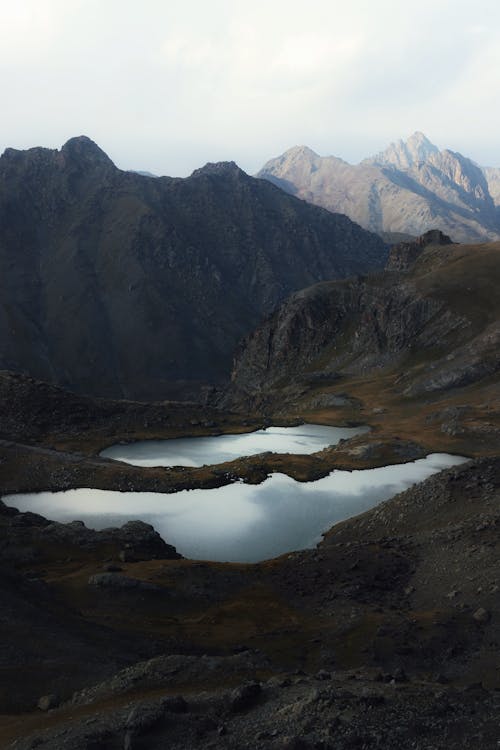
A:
(118, 581)
(245, 696)
(292, 743)
(399, 675)
(175, 704)
(141, 542)
(47, 702)
(481, 616)
(404, 255)
(323, 674)
(144, 716)
(441, 678)
(372, 699)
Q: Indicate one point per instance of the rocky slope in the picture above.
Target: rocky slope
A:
(119, 284)
(382, 637)
(409, 188)
(433, 328)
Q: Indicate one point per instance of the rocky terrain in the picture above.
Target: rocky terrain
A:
(122, 285)
(408, 189)
(431, 328)
(383, 637)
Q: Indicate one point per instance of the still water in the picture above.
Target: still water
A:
(307, 438)
(240, 522)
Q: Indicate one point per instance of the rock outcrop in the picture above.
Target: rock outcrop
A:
(403, 255)
(133, 541)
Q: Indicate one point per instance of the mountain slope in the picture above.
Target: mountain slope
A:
(409, 188)
(118, 284)
(431, 329)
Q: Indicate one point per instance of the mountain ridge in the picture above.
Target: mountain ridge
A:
(120, 285)
(409, 188)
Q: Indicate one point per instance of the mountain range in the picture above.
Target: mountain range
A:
(383, 635)
(124, 285)
(408, 189)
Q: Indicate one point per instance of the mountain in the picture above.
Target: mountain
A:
(403, 155)
(426, 329)
(118, 284)
(409, 188)
(492, 175)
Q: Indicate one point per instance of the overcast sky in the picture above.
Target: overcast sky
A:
(167, 85)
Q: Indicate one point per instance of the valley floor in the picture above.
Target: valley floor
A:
(386, 635)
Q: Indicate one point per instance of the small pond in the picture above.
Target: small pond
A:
(240, 522)
(197, 451)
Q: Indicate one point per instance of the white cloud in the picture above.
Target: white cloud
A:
(166, 86)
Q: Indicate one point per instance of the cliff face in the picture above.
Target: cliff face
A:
(434, 327)
(409, 188)
(118, 284)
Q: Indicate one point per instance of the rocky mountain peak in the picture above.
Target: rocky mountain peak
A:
(223, 168)
(296, 166)
(163, 277)
(405, 154)
(399, 193)
(83, 150)
(297, 156)
(301, 152)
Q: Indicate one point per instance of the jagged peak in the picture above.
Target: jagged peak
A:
(83, 148)
(419, 138)
(219, 168)
(297, 156)
(403, 154)
(79, 149)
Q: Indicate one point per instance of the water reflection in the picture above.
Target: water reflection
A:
(306, 438)
(239, 522)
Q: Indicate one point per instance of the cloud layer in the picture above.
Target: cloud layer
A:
(167, 86)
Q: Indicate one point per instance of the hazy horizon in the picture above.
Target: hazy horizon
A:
(167, 87)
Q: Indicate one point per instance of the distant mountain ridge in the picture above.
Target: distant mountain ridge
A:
(121, 285)
(410, 188)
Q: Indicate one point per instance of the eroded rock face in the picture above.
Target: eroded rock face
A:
(352, 327)
(442, 314)
(123, 285)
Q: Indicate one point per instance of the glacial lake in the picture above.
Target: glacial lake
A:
(198, 451)
(240, 522)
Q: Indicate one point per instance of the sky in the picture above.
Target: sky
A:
(166, 86)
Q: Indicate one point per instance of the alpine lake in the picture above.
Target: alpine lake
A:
(238, 522)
